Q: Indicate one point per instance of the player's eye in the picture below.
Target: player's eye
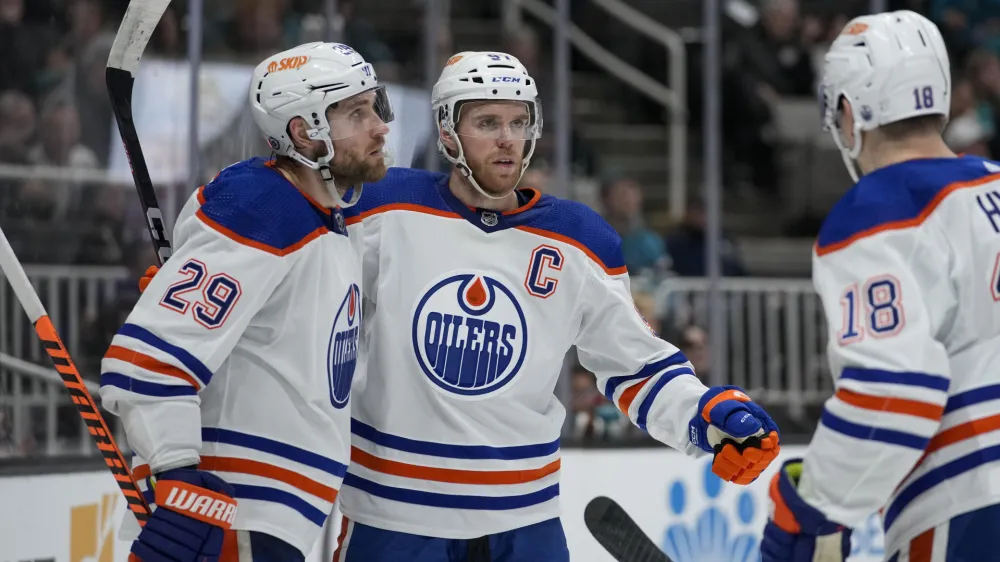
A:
(488, 123)
(355, 114)
(518, 124)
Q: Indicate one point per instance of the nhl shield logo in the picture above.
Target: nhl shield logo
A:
(489, 218)
(469, 334)
(342, 351)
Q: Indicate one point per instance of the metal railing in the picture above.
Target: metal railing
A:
(776, 337)
(774, 346)
(672, 96)
(36, 412)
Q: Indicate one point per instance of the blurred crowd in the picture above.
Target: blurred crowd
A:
(56, 131)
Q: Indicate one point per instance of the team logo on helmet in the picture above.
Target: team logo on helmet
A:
(342, 351)
(469, 334)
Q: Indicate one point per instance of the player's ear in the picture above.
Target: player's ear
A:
(297, 133)
(448, 140)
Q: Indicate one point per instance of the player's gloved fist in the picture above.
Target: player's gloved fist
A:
(743, 438)
(798, 532)
(147, 277)
(193, 511)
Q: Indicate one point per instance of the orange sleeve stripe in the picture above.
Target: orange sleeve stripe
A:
(628, 396)
(567, 240)
(259, 245)
(148, 363)
(888, 404)
(256, 468)
(451, 475)
(403, 207)
(906, 223)
(721, 397)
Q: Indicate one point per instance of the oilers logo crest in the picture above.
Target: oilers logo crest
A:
(342, 351)
(469, 334)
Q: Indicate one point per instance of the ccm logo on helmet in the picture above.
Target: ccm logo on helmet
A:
(289, 63)
(511, 79)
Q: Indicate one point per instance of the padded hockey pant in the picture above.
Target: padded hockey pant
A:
(541, 542)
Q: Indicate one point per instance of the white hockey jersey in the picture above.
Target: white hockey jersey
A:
(239, 357)
(908, 267)
(456, 428)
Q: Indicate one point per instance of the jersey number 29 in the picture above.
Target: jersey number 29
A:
(219, 294)
(881, 315)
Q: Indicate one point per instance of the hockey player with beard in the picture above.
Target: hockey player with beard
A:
(475, 292)
(233, 373)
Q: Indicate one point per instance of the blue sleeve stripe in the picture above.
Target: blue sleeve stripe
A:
(936, 476)
(611, 385)
(933, 382)
(145, 388)
(192, 363)
(516, 452)
(450, 501)
(972, 397)
(287, 499)
(868, 433)
(277, 448)
(647, 402)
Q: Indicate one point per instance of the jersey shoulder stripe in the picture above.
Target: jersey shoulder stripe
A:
(898, 197)
(253, 204)
(402, 189)
(580, 226)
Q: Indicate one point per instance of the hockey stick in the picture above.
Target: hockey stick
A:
(56, 349)
(618, 533)
(137, 27)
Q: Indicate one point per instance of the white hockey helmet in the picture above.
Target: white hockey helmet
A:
(303, 82)
(890, 67)
(484, 76)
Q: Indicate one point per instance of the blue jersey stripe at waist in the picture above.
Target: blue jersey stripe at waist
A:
(515, 452)
(277, 448)
(451, 501)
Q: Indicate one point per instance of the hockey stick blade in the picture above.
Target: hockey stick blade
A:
(136, 28)
(618, 533)
(67, 370)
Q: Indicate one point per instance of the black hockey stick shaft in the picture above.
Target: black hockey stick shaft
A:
(619, 534)
(136, 28)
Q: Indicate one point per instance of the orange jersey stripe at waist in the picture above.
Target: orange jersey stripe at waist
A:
(451, 475)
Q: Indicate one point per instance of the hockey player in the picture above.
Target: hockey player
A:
(908, 268)
(232, 375)
(477, 291)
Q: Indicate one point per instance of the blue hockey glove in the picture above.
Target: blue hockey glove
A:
(796, 531)
(743, 438)
(193, 511)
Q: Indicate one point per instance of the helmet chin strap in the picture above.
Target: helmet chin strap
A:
(463, 166)
(849, 155)
(322, 165)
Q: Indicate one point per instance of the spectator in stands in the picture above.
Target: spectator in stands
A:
(687, 247)
(23, 46)
(767, 61)
(968, 24)
(59, 146)
(643, 249)
(361, 35)
(968, 131)
(983, 69)
(17, 126)
(103, 240)
(258, 29)
(692, 340)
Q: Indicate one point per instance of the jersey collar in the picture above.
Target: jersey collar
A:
(485, 219)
